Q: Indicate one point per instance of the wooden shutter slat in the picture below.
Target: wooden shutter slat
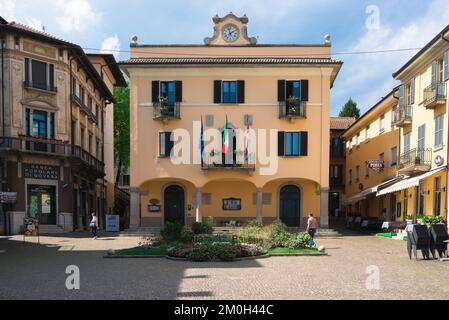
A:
(241, 91)
(304, 90)
(281, 143)
(281, 90)
(304, 141)
(217, 91)
(155, 91)
(178, 91)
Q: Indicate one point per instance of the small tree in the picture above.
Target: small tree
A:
(121, 130)
(350, 109)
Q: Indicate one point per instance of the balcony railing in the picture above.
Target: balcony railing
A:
(50, 147)
(292, 110)
(420, 158)
(77, 100)
(40, 86)
(434, 95)
(232, 161)
(171, 111)
(402, 115)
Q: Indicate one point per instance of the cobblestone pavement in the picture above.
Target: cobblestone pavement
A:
(33, 271)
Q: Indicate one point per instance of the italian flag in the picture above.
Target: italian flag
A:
(225, 145)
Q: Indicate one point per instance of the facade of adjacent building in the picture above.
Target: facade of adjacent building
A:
(232, 80)
(422, 121)
(413, 145)
(337, 170)
(372, 139)
(54, 137)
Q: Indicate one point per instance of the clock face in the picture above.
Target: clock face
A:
(230, 33)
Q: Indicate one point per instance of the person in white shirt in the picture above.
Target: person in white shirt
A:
(94, 225)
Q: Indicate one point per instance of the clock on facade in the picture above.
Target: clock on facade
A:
(230, 33)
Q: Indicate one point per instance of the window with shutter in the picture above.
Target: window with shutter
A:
(281, 142)
(412, 92)
(241, 91)
(304, 90)
(281, 90)
(229, 92)
(434, 73)
(155, 91)
(178, 91)
(165, 144)
(304, 148)
(217, 91)
(401, 95)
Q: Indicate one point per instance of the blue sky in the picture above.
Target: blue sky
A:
(109, 24)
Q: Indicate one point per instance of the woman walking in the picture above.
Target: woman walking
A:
(94, 225)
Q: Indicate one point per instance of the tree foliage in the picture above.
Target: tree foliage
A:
(350, 109)
(121, 129)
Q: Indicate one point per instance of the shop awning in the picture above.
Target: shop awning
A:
(408, 183)
(365, 193)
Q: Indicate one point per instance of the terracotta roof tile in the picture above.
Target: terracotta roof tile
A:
(341, 123)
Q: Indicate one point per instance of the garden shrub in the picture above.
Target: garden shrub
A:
(202, 228)
(181, 252)
(200, 256)
(187, 236)
(253, 224)
(279, 234)
(172, 231)
(298, 241)
(251, 250)
(231, 224)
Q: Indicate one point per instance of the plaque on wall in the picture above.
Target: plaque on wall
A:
(232, 204)
(38, 171)
(154, 208)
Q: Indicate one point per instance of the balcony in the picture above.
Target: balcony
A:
(402, 116)
(292, 109)
(415, 161)
(54, 148)
(166, 111)
(336, 183)
(231, 162)
(77, 100)
(40, 86)
(434, 95)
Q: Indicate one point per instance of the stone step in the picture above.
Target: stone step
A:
(51, 229)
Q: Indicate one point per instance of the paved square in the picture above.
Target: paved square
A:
(32, 271)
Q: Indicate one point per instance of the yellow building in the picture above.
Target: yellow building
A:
(282, 89)
(422, 119)
(371, 159)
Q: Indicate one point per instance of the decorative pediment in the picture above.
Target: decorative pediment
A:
(40, 102)
(230, 30)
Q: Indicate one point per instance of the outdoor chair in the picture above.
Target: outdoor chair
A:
(419, 239)
(438, 237)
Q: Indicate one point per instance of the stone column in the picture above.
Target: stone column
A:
(198, 202)
(259, 205)
(324, 208)
(134, 210)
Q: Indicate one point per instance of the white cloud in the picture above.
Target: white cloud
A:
(77, 15)
(372, 72)
(111, 45)
(7, 10)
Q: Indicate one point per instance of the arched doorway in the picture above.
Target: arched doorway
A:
(290, 206)
(174, 204)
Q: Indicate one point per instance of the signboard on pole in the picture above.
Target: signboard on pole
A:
(112, 223)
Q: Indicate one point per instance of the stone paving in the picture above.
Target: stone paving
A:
(33, 271)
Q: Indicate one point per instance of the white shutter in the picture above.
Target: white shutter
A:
(434, 74)
(412, 92)
(161, 144)
(401, 96)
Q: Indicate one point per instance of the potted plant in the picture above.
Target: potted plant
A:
(164, 105)
(409, 219)
(292, 105)
(421, 218)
